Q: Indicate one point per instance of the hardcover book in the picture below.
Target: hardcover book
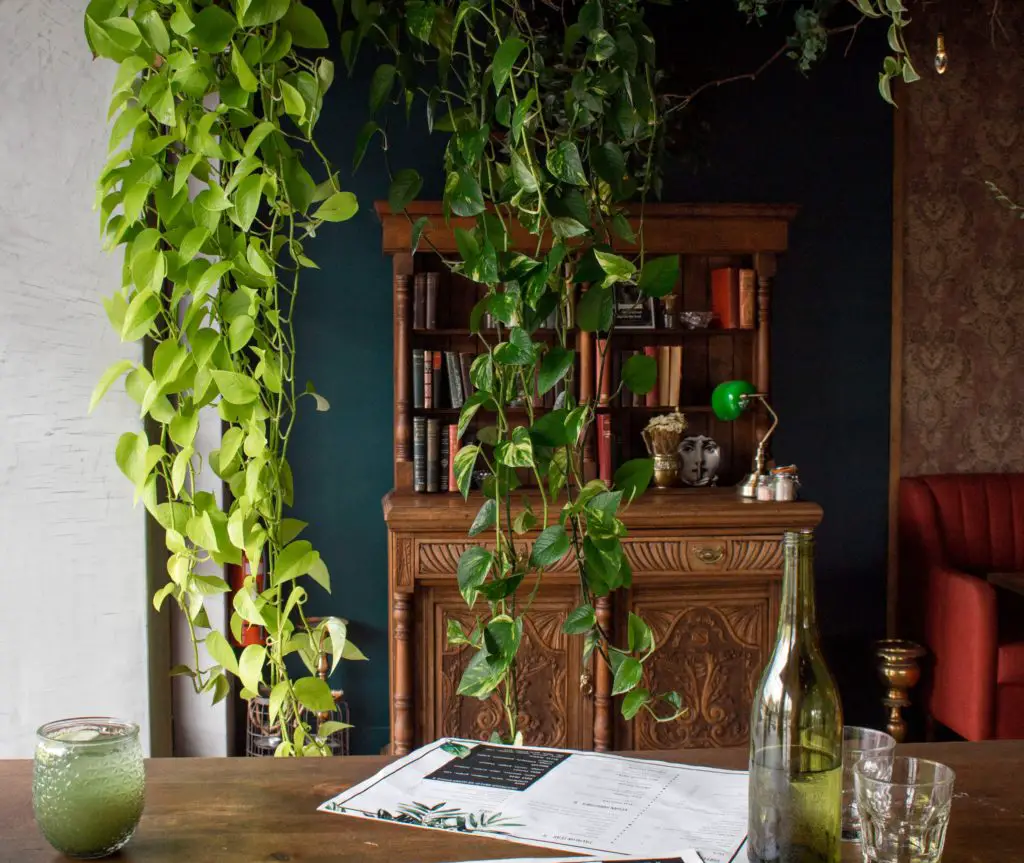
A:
(433, 454)
(432, 283)
(445, 456)
(465, 361)
(725, 297)
(451, 362)
(748, 295)
(417, 378)
(604, 447)
(664, 374)
(428, 379)
(651, 398)
(437, 376)
(675, 374)
(419, 454)
(419, 301)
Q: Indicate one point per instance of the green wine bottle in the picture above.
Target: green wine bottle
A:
(796, 732)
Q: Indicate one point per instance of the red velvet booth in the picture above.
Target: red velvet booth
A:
(954, 529)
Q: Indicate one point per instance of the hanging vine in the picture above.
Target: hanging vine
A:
(209, 194)
(556, 125)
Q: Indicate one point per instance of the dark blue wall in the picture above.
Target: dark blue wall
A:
(342, 459)
(822, 141)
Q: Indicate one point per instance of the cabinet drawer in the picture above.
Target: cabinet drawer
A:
(705, 554)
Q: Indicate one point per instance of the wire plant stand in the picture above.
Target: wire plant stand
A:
(263, 737)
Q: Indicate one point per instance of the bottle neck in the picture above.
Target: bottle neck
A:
(797, 620)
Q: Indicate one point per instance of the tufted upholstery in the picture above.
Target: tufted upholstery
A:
(954, 529)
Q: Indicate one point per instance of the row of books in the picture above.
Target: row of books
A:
(424, 301)
(664, 393)
(434, 445)
(733, 297)
(440, 379)
(733, 300)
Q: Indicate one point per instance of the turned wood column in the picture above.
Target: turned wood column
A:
(402, 724)
(603, 682)
(403, 267)
(764, 264)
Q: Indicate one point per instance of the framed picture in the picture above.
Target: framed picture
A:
(633, 311)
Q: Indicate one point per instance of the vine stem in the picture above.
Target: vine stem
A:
(683, 100)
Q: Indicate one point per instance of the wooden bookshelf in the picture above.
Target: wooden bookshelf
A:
(707, 566)
(705, 237)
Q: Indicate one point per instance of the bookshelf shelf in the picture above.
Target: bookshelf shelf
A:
(621, 332)
(538, 411)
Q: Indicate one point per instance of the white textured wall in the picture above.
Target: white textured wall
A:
(72, 551)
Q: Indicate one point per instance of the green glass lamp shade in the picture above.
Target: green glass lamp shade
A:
(729, 399)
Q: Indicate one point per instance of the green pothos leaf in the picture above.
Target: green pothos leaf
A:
(485, 518)
(465, 461)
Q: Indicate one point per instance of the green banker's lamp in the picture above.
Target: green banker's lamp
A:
(729, 401)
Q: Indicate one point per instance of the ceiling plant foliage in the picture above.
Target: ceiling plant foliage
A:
(555, 117)
(211, 194)
(555, 120)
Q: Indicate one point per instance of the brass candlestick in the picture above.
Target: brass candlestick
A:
(900, 673)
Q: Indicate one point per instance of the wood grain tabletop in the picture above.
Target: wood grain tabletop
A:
(239, 810)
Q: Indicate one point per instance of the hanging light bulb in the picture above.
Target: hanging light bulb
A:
(941, 58)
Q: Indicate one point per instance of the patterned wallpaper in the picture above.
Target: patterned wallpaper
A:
(963, 315)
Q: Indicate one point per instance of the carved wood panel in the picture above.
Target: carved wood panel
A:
(704, 554)
(548, 675)
(711, 649)
(442, 557)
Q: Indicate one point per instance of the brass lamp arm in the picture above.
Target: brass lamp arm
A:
(763, 443)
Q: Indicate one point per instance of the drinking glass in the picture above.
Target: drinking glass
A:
(859, 743)
(88, 784)
(904, 808)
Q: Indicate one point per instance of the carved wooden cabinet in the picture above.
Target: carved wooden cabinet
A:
(706, 566)
(706, 574)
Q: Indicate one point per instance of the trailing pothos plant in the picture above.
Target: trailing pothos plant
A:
(553, 130)
(209, 194)
(556, 123)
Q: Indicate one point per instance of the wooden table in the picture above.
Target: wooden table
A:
(1008, 581)
(247, 810)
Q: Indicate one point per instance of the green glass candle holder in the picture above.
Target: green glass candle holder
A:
(88, 785)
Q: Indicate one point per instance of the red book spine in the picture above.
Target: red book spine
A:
(604, 447)
(602, 362)
(428, 379)
(725, 297)
(651, 399)
(435, 377)
(453, 448)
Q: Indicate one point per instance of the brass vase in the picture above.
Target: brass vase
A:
(667, 470)
(662, 441)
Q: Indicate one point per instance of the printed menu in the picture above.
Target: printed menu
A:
(591, 803)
